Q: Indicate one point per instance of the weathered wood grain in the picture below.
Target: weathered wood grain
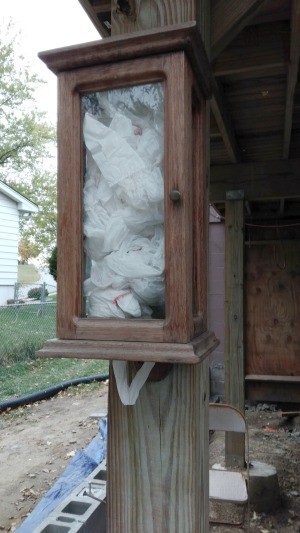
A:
(266, 47)
(69, 205)
(157, 455)
(229, 17)
(234, 324)
(259, 180)
(135, 15)
(224, 122)
(292, 76)
(273, 309)
(189, 353)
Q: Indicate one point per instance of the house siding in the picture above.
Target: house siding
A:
(9, 238)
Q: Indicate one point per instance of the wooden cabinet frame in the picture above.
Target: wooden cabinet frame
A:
(182, 335)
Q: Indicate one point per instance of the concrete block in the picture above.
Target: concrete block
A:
(264, 487)
(51, 525)
(81, 512)
(90, 513)
(77, 507)
(99, 473)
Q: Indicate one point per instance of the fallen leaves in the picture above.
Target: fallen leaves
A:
(29, 493)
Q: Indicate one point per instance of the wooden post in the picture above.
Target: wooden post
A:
(158, 455)
(158, 448)
(234, 320)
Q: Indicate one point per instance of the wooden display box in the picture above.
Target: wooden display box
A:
(155, 82)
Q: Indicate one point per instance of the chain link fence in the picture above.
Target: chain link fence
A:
(27, 321)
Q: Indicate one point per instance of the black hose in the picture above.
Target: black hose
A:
(51, 391)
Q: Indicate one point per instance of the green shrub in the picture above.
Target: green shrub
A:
(52, 262)
(36, 293)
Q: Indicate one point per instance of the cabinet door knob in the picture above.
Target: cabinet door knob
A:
(175, 195)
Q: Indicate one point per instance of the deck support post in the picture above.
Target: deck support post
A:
(158, 448)
(234, 320)
(157, 455)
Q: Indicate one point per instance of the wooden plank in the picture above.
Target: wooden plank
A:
(178, 219)
(234, 323)
(101, 6)
(189, 353)
(260, 180)
(259, 391)
(257, 107)
(69, 303)
(280, 379)
(266, 47)
(201, 163)
(223, 120)
(229, 17)
(136, 15)
(273, 310)
(158, 455)
(292, 76)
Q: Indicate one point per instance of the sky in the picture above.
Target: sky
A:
(45, 26)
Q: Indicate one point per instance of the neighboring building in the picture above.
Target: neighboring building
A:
(12, 206)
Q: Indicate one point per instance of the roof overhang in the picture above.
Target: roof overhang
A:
(23, 204)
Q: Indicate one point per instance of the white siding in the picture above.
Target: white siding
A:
(9, 239)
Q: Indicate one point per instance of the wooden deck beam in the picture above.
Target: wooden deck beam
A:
(223, 120)
(262, 180)
(229, 17)
(292, 76)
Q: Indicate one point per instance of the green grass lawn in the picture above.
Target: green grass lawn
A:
(27, 377)
(24, 329)
(51, 297)
(28, 274)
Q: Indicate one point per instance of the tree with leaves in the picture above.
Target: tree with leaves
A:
(26, 144)
(38, 232)
(26, 137)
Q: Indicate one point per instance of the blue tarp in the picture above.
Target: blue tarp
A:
(83, 463)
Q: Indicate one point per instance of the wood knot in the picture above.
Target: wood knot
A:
(127, 8)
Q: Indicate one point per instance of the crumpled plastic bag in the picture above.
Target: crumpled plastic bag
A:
(137, 181)
(141, 189)
(112, 303)
(113, 155)
(115, 303)
(138, 264)
(123, 216)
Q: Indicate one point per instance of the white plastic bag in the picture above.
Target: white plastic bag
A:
(111, 303)
(129, 393)
(114, 156)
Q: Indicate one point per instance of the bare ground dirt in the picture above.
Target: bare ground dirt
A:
(37, 442)
(275, 440)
